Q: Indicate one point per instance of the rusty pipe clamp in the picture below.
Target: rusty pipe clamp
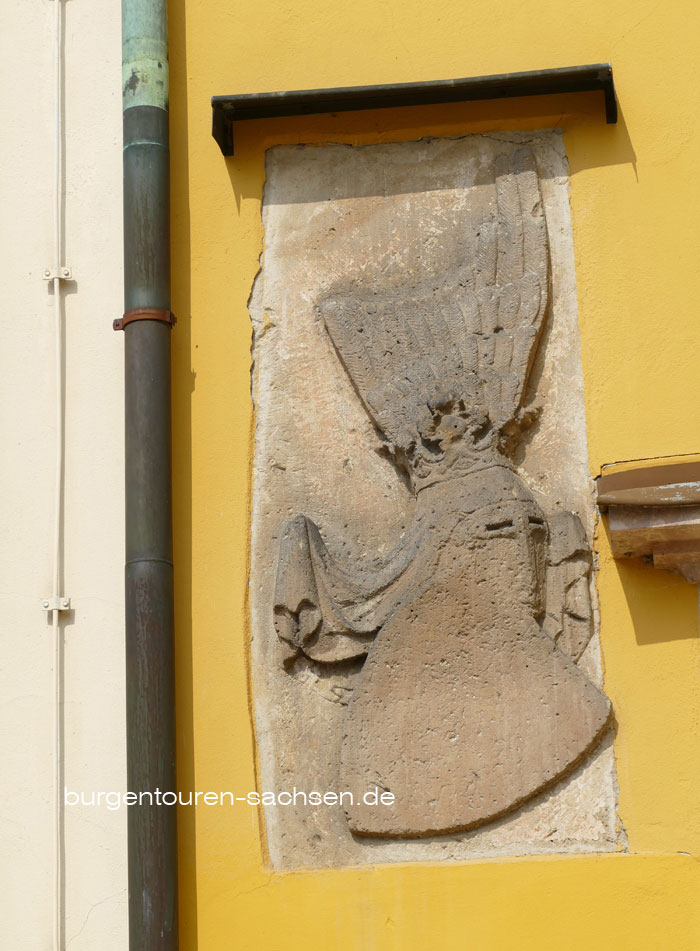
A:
(144, 313)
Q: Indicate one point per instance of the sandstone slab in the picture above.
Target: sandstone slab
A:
(422, 608)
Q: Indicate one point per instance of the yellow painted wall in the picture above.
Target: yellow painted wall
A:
(635, 191)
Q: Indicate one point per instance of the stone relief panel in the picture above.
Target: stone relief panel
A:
(423, 617)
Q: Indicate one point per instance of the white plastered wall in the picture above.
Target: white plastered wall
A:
(95, 838)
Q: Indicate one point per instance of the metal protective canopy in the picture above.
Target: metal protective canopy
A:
(540, 82)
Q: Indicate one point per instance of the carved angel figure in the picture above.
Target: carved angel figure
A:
(470, 700)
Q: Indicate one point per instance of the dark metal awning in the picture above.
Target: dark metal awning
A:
(540, 82)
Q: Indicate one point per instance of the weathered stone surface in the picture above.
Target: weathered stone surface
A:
(653, 512)
(569, 619)
(465, 708)
(403, 342)
(669, 534)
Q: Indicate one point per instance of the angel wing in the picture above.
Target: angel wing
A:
(475, 343)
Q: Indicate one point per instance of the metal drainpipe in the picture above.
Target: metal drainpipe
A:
(152, 829)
